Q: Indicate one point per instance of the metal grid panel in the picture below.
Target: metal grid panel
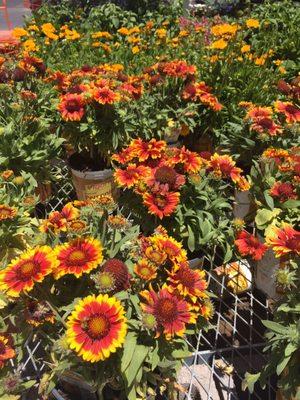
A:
(220, 356)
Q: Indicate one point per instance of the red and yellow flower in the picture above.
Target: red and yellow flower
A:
(284, 240)
(55, 223)
(69, 212)
(97, 327)
(283, 191)
(6, 351)
(161, 204)
(71, 107)
(7, 212)
(188, 283)
(152, 149)
(23, 272)
(255, 113)
(266, 125)
(131, 175)
(104, 95)
(77, 257)
(249, 245)
(290, 110)
(145, 270)
(171, 313)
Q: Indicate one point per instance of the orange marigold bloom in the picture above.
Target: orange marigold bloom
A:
(7, 174)
(145, 270)
(71, 107)
(105, 95)
(283, 191)
(22, 273)
(224, 167)
(7, 212)
(284, 240)
(79, 256)
(171, 247)
(188, 283)
(131, 175)
(152, 149)
(124, 156)
(249, 245)
(290, 110)
(192, 163)
(178, 69)
(161, 204)
(171, 313)
(97, 327)
(6, 351)
(259, 112)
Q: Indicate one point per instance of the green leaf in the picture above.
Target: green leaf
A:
(249, 381)
(281, 366)
(140, 353)
(129, 347)
(291, 204)
(275, 327)
(264, 216)
(191, 239)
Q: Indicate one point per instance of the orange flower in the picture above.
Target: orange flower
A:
(224, 167)
(266, 125)
(152, 149)
(161, 204)
(171, 313)
(170, 247)
(7, 174)
(55, 223)
(249, 245)
(145, 270)
(32, 266)
(178, 69)
(124, 156)
(69, 212)
(283, 191)
(188, 283)
(192, 163)
(284, 240)
(291, 111)
(71, 107)
(259, 112)
(131, 175)
(7, 212)
(105, 95)
(79, 256)
(6, 351)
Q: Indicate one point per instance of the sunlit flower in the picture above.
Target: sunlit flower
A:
(7, 212)
(224, 29)
(22, 273)
(145, 270)
(79, 256)
(259, 112)
(55, 223)
(97, 327)
(7, 174)
(171, 247)
(252, 23)
(152, 149)
(284, 240)
(155, 255)
(6, 351)
(69, 212)
(188, 283)
(19, 32)
(290, 110)
(219, 44)
(283, 191)
(71, 107)
(249, 245)
(161, 204)
(266, 125)
(131, 175)
(49, 30)
(246, 48)
(191, 161)
(224, 167)
(171, 313)
(77, 225)
(105, 95)
(38, 312)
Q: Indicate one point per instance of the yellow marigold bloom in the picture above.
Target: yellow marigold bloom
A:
(49, 30)
(97, 327)
(183, 33)
(214, 58)
(135, 49)
(278, 62)
(19, 32)
(71, 34)
(161, 33)
(123, 31)
(260, 60)
(282, 70)
(252, 23)
(224, 29)
(100, 35)
(96, 44)
(29, 45)
(246, 48)
(219, 44)
(132, 39)
(33, 28)
(133, 30)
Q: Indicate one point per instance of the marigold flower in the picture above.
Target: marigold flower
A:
(246, 48)
(258, 112)
(188, 283)
(249, 245)
(105, 95)
(171, 313)
(19, 32)
(283, 191)
(145, 270)
(252, 23)
(291, 111)
(6, 351)
(224, 29)
(97, 327)
(219, 44)
(7, 212)
(79, 256)
(22, 273)
(161, 204)
(152, 149)
(71, 107)
(284, 240)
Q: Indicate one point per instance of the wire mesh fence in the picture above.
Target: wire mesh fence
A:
(220, 356)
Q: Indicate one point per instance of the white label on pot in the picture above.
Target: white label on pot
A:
(265, 274)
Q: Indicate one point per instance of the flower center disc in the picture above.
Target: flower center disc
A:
(73, 106)
(166, 310)
(186, 278)
(166, 175)
(98, 326)
(27, 268)
(77, 256)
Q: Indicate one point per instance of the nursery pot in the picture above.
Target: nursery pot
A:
(92, 183)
